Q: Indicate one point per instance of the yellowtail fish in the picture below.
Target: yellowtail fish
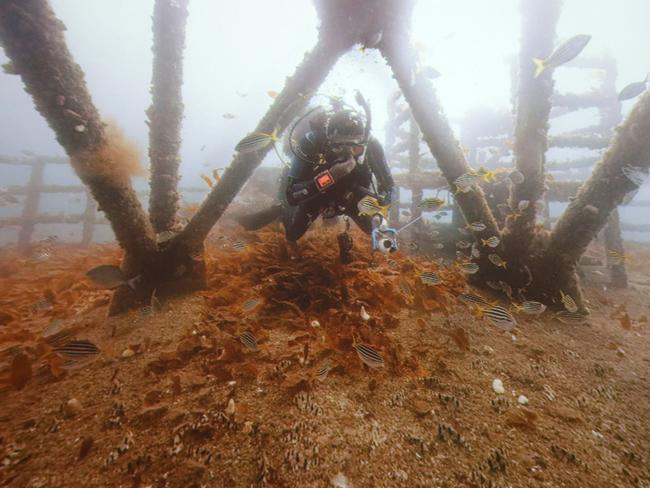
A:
(109, 277)
(413, 246)
(530, 307)
(392, 263)
(77, 349)
(463, 245)
(633, 90)
(238, 246)
(568, 302)
(405, 288)
(516, 177)
(571, 318)
(369, 206)
(248, 339)
(563, 53)
(430, 278)
(477, 226)
(492, 241)
(207, 180)
(618, 259)
(256, 141)
(498, 316)
(228, 115)
(369, 356)
(249, 304)
(471, 300)
(487, 175)
(635, 174)
(431, 203)
(469, 268)
(497, 261)
(466, 182)
(216, 175)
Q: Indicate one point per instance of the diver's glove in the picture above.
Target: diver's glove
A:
(340, 170)
(385, 198)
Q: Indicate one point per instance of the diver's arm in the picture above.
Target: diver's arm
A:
(379, 166)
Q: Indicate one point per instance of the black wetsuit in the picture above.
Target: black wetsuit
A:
(306, 202)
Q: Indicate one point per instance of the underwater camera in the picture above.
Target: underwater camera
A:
(384, 238)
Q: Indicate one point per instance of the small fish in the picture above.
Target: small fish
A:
(516, 177)
(405, 288)
(618, 259)
(469, 268)
(154, 305)
(463, 245)
(504, 209)
(369, 206)
(471, 300)
(539, 206)
(633, 90)
(238, 246)
(109, 277)
(464, 231)
(430, 278)
(530, 307)
(203, 148)
(494, 285)
(487, 175)
(369, 356)
(506, 288)
(406, 213)
(438, 245)
(42, 304)
(228, 115)
(323, 371)
(164, 236)
(249, 304)
(216, 175)
(431, 203)
(523, 205)
(497, 261)
(466, 181)
(248, 339)
(413, 246)
(477, 226)
(392, 263)
(273, 94)
(498, 316)
(434, 233)
(41, 256)
(77, 349)
(571, 318)
(241, 94)
(476, 252)
(561, 54)
(492, 241)
(635, 174)
(207, 180)
(568, 302)
(256, 141)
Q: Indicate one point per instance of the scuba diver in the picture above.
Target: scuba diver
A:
(336, 163)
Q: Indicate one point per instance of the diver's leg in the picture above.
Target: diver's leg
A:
(364, 222)
(296, 222)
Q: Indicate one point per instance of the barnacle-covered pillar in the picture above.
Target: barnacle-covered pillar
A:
(614, 244)
(533, 106)
(166, 112)
(598, 197)
(32, 38)
(427, 112)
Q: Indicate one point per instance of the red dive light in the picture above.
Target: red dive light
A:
(323, 180)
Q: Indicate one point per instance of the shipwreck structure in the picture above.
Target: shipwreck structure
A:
(541, 262)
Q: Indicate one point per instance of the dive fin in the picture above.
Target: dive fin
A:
(539, 67)
(259, 219)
